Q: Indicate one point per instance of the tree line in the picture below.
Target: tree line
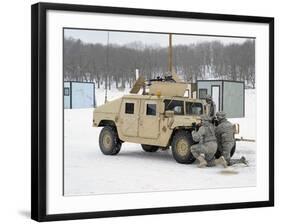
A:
(114, 64)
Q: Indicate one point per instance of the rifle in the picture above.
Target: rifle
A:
(241, 139)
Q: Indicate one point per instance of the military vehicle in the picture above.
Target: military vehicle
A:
(159, 118)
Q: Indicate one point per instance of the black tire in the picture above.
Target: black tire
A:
(149, 148)
(109, 141)
(218, 153)
(181, 144)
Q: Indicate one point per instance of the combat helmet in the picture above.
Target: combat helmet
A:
(221, 115)
(208, 97)
(205, 119)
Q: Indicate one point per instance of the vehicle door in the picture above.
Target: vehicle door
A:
(130, 117)
(149, 119)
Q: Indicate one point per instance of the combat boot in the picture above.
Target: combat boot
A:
(202, 161)
(221, 161)
(242, 160)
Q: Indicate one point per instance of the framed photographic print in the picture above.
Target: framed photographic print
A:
(139, 111)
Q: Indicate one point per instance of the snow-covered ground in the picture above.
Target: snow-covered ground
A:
(88, 171)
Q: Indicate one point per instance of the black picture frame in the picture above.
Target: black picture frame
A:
(39, 107)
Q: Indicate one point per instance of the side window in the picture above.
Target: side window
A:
(174, 105)
(66, 91)
(202, 93)
(129, 108)
(151, 109)
(194, 108)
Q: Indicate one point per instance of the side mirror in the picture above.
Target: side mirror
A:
(169, 113)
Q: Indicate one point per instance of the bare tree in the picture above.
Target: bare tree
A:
(205, 60)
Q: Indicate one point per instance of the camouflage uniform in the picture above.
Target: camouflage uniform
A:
(212, 106)
(225, 136)
(205, 150)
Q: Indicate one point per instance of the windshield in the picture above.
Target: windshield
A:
(194, 108)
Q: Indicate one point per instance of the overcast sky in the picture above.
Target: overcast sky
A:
(151, 39)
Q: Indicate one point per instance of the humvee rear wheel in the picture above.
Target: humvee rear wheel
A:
(149, 148)
(181, 144)
(109, 142)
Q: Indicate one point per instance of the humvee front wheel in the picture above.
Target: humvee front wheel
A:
(149, 148)
(109, 141)
(181, 144)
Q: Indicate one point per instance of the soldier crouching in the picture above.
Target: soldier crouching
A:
(205, 150)
(225, 136)
(225, 139)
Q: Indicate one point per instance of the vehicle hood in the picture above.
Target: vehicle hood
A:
(109, 107)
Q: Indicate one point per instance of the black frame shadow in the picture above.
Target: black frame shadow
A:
(38, 110)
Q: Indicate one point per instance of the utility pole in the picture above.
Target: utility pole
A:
(170, 54)
(106, 64)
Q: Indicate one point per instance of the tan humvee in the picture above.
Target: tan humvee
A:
(160, 118)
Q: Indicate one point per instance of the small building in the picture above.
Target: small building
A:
(79, 94)
(229, 96)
